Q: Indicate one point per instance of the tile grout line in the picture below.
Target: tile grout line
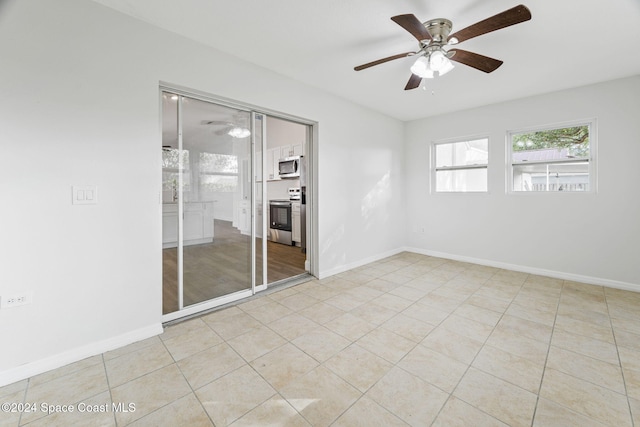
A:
(351, 343)
(564, 291)
(546, 359)
(106, 375)
(24, 399)
(248, 363)
(175, 362)
(147, 374)
(29, 386)
(476, 355)
(395, 364)
(615, 341)
(590, 357)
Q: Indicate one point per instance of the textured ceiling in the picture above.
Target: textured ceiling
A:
(567, 43)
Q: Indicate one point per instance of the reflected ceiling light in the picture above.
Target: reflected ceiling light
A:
(238, 132)
(431, 62)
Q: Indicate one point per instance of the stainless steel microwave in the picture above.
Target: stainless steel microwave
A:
(289, 167)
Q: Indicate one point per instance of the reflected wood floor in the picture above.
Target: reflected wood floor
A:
(224, 266)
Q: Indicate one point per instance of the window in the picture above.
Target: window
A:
(171, 170)
(461, 166)
(218, 172)
(552, 159)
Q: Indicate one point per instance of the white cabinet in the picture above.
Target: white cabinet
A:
(295, 223)
(197, 225)
(269, 171)
(273, 156)
(276, 162)
(193, 225)
(207, 221)
(285, 151)
(170, 224)
(244, 217)
(291, 150)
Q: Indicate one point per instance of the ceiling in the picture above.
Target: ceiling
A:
(566, 44)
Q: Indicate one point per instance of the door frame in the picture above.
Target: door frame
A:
(311, 264)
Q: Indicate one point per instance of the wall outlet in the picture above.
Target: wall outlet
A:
(16, 300)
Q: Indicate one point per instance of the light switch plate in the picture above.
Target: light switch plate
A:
(85, 194)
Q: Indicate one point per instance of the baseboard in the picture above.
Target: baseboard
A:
(359, 263)
(531, 270)
(76, 354)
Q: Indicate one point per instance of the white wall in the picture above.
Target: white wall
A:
(283, 132)
(591, 237)
(80, 106)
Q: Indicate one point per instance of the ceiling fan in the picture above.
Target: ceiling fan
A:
(433, 35)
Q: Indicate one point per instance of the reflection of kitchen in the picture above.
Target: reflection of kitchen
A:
(285, 174)
(220, 216)
(286, 197)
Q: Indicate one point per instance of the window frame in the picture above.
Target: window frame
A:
(435, 169)
(591, 123)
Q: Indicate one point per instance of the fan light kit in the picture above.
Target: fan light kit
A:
(230, 128)
(433, 59)
(435, 62)
(238, 132)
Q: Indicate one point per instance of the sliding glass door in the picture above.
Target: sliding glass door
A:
(220, 179)
(208, 197)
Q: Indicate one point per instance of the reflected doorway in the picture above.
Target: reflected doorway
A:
(286, 196)
(206, 154)
(218, 175)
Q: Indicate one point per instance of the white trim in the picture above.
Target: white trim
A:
(433, 169)
(206, 305)
(312, 213)
(189, 242)
(592, 123)
(598, 281)
(181, 202)
(263, 198)
(360, 263)
(76, 354)
(227, 102)
(252, 183)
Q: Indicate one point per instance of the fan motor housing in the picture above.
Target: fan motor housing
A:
(439, 29)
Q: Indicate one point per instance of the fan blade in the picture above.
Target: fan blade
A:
(414, 82)
(410, 23)
(216, 123)
(475, 60)
(382, 61)
(505, 19)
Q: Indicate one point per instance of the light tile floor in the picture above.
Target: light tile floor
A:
(409, 340)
